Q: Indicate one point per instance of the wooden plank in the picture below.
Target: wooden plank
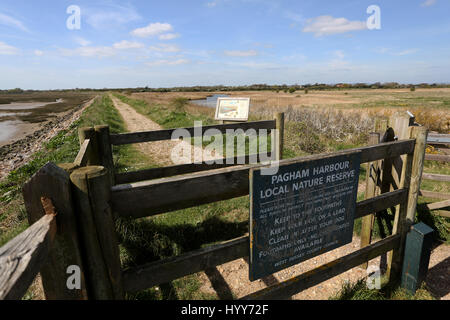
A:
(327, 271)
(96, 270)
(169, 194)
(438, 138)
(83, 155)
(439, 205)
(105, 150)
(151, 274)
(437, 157)
(158, 173)
(148, 136)
(53, 182)
(278, 137)
(89, 133)
(371, 187)
(436, 177)
(435, 195)
(443, 213)
(22, 258)
(406, 212)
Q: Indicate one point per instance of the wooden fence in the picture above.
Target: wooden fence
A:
(442, 143)
(23, 257)
(94, 196)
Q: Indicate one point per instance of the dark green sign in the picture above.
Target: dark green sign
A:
(305, 209)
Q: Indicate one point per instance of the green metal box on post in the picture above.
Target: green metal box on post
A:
(417, 256)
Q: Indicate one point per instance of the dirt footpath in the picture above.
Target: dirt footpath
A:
(161, 152)
(230, 280)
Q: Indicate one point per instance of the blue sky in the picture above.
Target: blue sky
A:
(230, 42)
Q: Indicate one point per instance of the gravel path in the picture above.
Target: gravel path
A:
(160, 151)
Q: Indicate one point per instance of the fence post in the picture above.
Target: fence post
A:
(105, 150)
(53, 182)
(372, 177)
(89, 133)
(405, 213)
(92, 194)
(278, 136)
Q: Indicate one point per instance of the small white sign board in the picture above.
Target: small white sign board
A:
(232, 109)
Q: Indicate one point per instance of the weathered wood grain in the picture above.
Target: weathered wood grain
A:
(439, 205)
(436, 177)
(53, 182)
(148, 136)
(22, 258)
(435, 195)
(105, 150)
(371, 186)
(82, 158)
(437, 157)
(327, 271)
(151, 274)
(169, 194)
(96, 270)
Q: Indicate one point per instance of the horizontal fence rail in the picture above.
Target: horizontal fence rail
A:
(149, 136)
(157, 173)
(154, 273)
(436, 177)
(22, 258)
(438, 138)
(437, 157)
(169, 194)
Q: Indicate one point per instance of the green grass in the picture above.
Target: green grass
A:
(359, 291)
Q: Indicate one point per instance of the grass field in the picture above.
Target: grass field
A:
(174, 233)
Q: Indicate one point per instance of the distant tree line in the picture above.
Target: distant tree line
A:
(253, 87)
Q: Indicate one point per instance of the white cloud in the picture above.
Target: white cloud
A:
(82, 42)
(328, 25)
(39, 53)
(124, 44)
(396, 53)
(238, 53)
(153, 29)
(99, 52)
(339, 54)
(167, 62)
(11, 22)
(169, 36)
(405, 52)
(6, 49)
(212, 4)
(428, 3)
(165, 48)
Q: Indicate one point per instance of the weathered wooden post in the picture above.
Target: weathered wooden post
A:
(278, 136)
(372, 177)
(405, 213)
(105, 150)
(89, 133)
(92, 196)
(53, 182)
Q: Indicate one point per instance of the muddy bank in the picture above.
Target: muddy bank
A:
(18, 153)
